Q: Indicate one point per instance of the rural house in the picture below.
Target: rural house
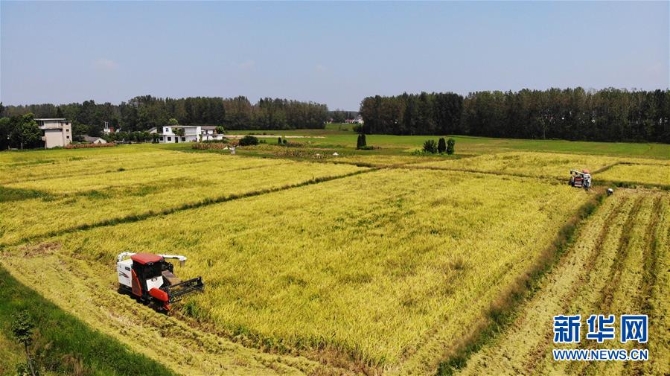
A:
(192, 133)
(167, 134)
(56, 132)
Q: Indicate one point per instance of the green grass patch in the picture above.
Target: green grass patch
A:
(64, 344)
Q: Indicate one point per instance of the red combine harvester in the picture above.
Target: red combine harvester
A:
(580, 179)
(150, 279)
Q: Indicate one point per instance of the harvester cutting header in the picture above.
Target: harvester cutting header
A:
(150, 278)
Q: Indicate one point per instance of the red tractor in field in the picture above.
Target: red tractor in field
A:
(580, 179)
(150, 279)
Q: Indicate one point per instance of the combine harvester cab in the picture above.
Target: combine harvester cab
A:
(151, 279)
(580, 179)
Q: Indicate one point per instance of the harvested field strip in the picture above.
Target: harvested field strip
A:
(504, 310)
(37, 217)
(176, 343)
(296, 271)
(62, 344)
(623, 249)
(612, 243)
(525, 342)
(625, 299)
(658, 304)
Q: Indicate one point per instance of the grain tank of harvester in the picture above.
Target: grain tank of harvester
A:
(150, 279)
(580, 179)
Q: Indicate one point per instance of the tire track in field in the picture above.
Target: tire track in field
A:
(523, 346)
(651, 259)
(659, 319)
(623, 251)
(188, 206)
(623, 289)
(539, 353)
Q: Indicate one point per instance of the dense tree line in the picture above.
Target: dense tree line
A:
(571, 114)
(144, 112)
(271, 113)
(407, 114)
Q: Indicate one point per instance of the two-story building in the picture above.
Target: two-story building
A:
(192, 133)
(56, 132)
(167, 134)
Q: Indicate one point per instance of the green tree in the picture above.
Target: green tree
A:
(441, 145)
(25, 132)
(173, 121)
(338, 116)
(220, 129)
(5, 131)
(248, 140)
(450, 146)
(430, 146)
(22, 329)
(361, 143)
(179, 131)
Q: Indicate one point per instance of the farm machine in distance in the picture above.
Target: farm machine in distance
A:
(150, 279)
(580, 179)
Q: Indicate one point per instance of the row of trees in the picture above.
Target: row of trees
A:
(572, 114)
(145, 112)
(436, 113)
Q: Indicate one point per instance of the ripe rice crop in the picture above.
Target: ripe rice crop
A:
(617, 265)
(20, 167)
(651, 174)
(385, 268)
(38, 207)
(544, 165)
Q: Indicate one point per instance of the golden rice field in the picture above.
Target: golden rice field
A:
(21, 167)
(542, 165)
(618, 265)
(313, 267)
(53, 203)
(649, 174)
(366, 266)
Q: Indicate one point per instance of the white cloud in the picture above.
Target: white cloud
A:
(106, 64)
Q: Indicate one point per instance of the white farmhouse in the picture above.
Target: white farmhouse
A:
(209, 133)
(192, 133)
(167, 134)
(57, 132)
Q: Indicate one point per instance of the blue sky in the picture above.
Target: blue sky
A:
(335, 53)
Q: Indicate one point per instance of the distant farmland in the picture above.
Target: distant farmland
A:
(377, 264)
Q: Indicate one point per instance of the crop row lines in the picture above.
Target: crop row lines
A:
(623, 249)
(187, 206)
(540, 351)
(504, 309)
